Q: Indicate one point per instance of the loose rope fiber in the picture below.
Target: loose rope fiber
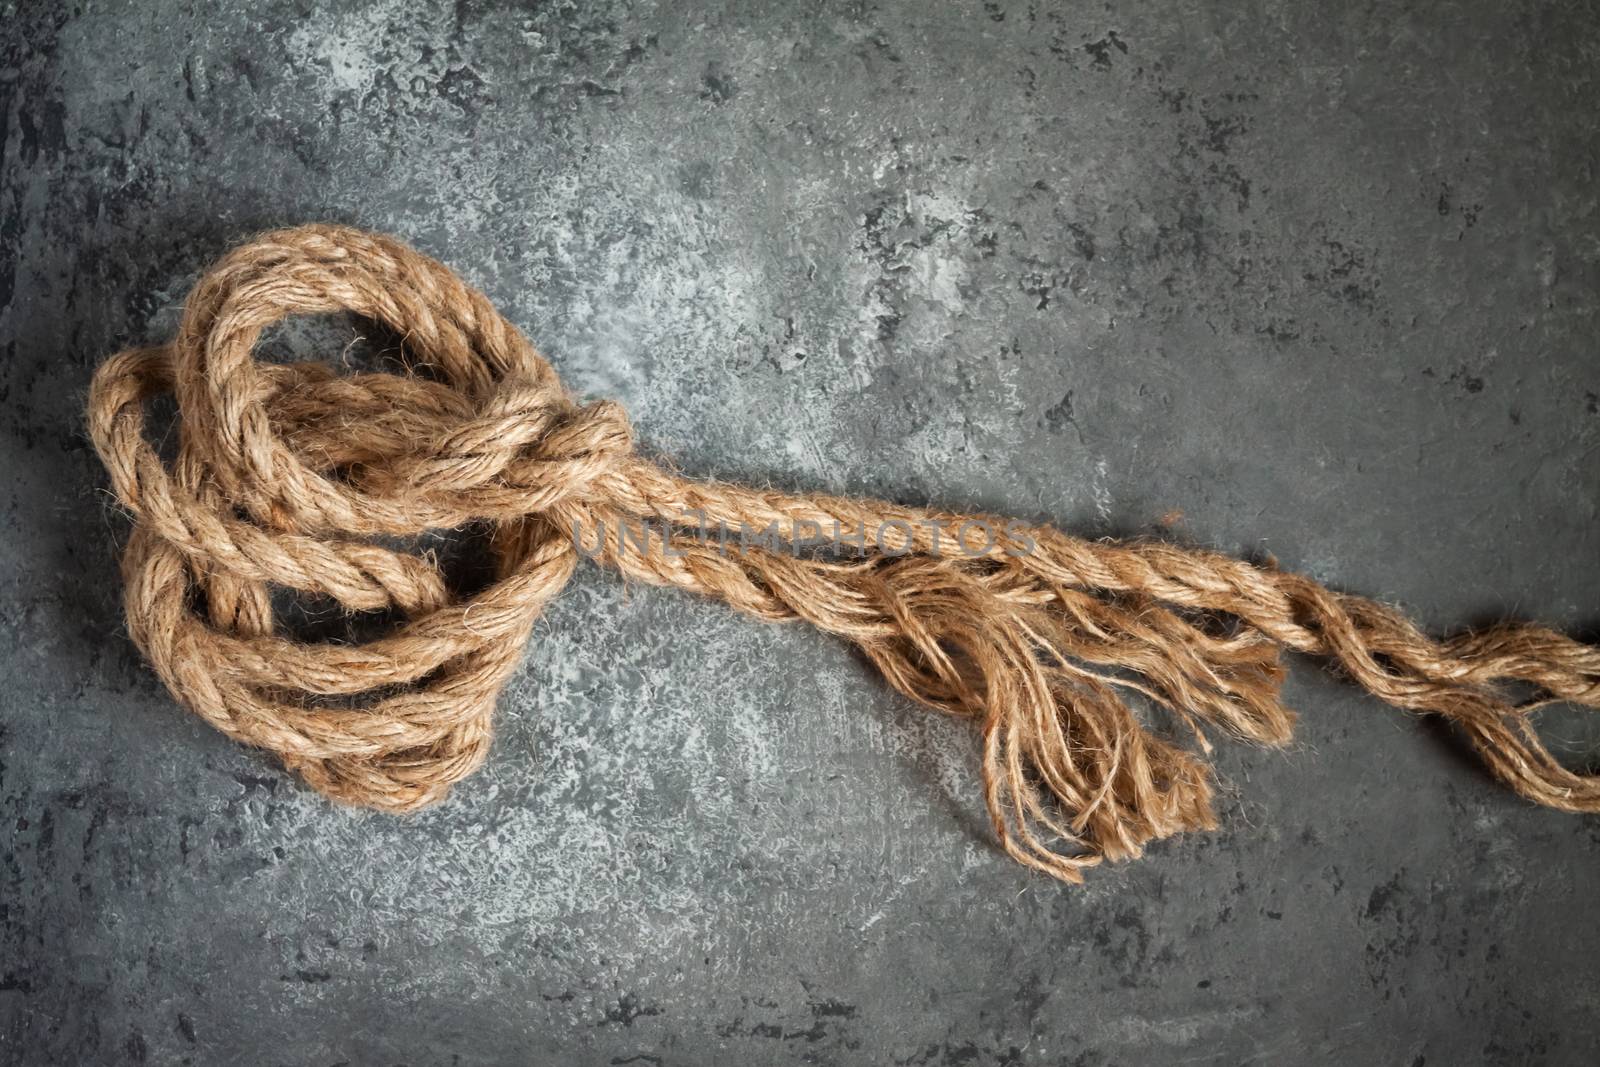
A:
(293, 477)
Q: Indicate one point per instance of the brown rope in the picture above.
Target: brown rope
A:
(288, 476)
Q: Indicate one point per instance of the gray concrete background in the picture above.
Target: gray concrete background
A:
(1321, 276)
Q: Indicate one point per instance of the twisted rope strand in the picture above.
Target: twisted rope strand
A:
(288, 476)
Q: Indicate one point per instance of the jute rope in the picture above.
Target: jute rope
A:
(289, 476)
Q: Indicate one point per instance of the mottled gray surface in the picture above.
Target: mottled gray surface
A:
(1325, 277)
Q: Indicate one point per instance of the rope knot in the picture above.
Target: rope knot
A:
(523, 451)
(295, 477)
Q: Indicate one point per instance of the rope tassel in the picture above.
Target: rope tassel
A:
(290, 476)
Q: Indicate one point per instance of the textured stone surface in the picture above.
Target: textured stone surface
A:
(1324, 278)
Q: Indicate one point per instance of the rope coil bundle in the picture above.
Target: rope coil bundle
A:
(290, 477)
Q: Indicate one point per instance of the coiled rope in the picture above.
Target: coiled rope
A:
(292, 476)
